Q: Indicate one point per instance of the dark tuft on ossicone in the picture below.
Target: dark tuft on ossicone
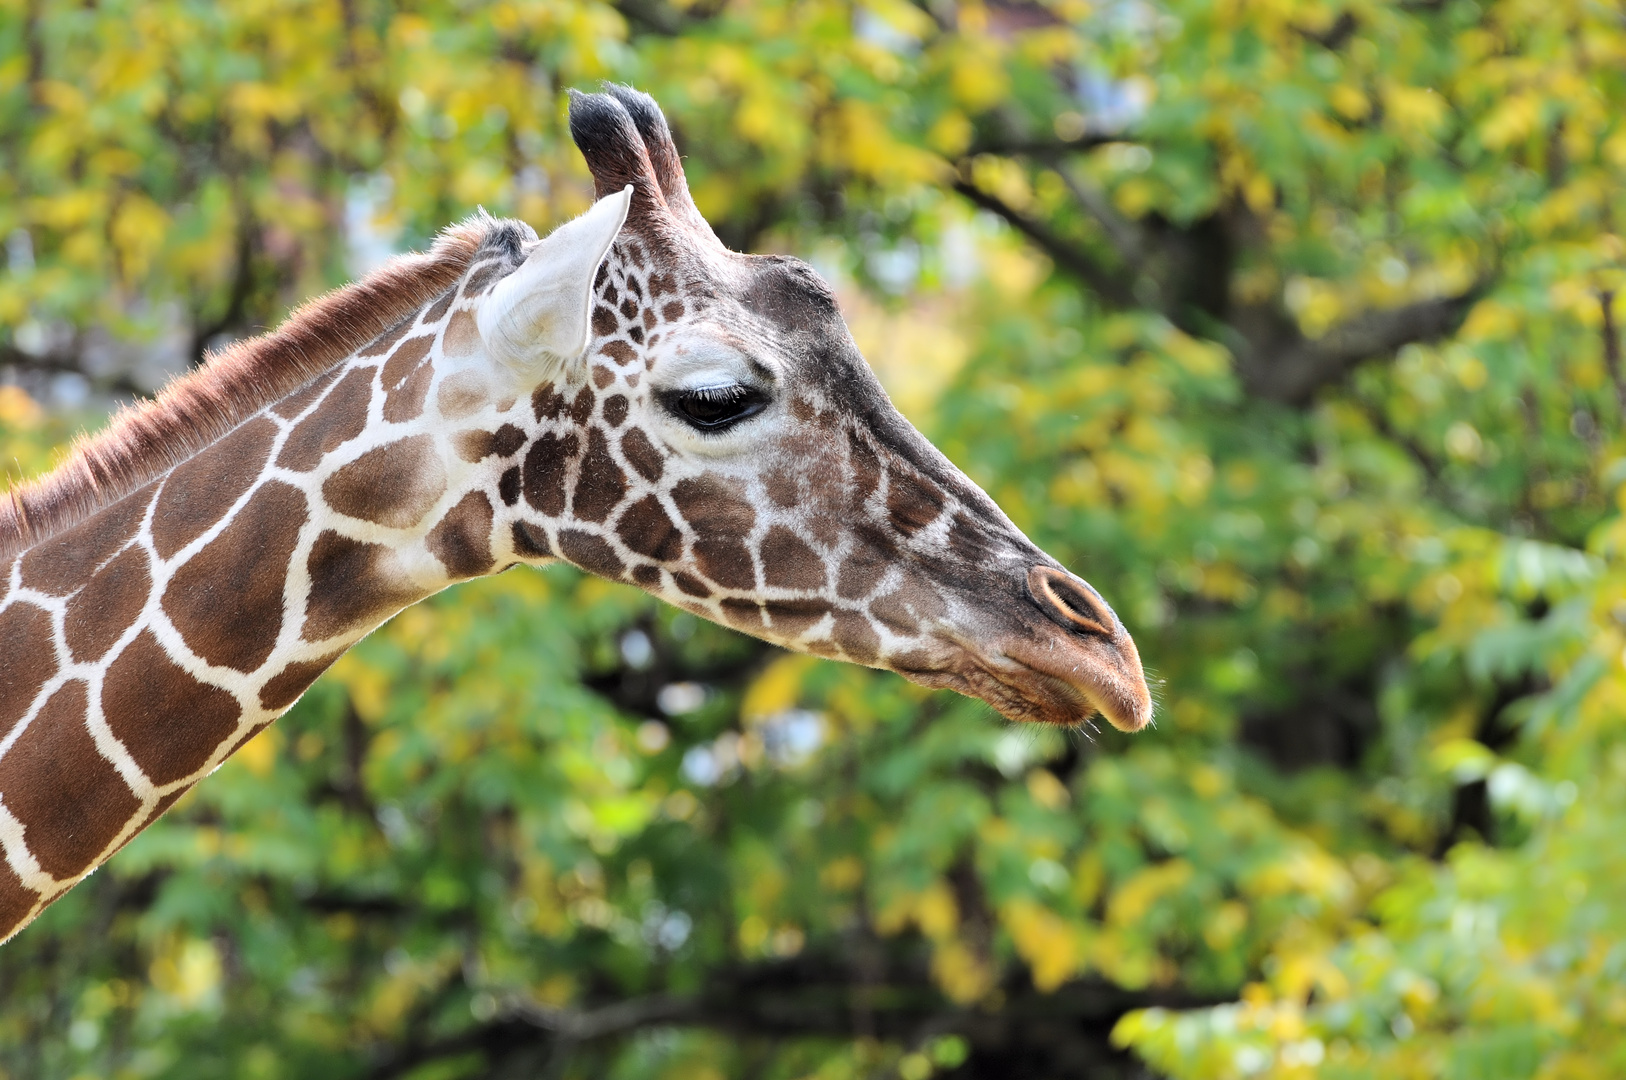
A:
(607, 137)
(625, 138)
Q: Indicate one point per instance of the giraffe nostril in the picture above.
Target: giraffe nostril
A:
(1070, 601)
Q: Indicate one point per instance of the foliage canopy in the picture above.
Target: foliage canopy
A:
(1291, 324)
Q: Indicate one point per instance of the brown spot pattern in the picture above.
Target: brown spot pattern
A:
(865, 465)
(351, 586)
(721, 520)
(200, 491)
(582, 408)
(783, 488)
(460, 395)
(284, 688)
(60, 565)
(789, 563)
(384, 342)
(107, 605)
(856, 637)
(227, 600)
(793, 618)
(168, 720)
(641, 454)
(480, 279)
(903, 610)
(619, 351)
(437, 310)
(473, 446)
(26, 666)
(16, 899)
(859, 575)
(531, 542)
(969, 541)
(462, 539)
(546, 466)
(592, 553)
(912, 502)
(615, 410)
(742, 614)
(161, 807)
(406, 402)
(300, 400)
(690, 584)
(70, 800)
(547, 403)
(462, 336)
(338, 420)
(507, 441)
(601, 485)
(393, 485)
(726, 561)
(508, 485)
(405, 360)
(646, 529)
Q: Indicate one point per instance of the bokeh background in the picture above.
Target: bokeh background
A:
(1291, 324)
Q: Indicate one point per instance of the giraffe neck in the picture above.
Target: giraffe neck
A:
(145, 644)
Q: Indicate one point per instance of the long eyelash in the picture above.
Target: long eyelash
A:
(717, 394)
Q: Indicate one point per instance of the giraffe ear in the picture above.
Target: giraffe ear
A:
(536, 319)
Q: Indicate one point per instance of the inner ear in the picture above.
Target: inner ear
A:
(536, 320)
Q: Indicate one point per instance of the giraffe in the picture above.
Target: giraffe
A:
(626, 395)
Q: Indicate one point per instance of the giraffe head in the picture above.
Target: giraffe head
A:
(701, 424)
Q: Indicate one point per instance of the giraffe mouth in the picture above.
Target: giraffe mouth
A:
(1069, 691)
(1056, 680)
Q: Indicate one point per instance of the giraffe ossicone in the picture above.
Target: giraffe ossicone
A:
(626, 395)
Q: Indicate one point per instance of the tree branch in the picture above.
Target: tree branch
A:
(1611, 346)
(1063, 1034)
(657, 16)
(1042, 148)
(1110, 286)
(1278, 363)
(1125, 236)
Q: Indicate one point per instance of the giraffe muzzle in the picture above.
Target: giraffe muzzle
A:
(1091, 665)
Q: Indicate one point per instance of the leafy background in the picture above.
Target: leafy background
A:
(1292, 324)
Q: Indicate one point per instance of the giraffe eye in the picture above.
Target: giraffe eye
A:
(712, 408)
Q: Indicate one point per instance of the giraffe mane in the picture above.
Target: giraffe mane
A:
(148, 438)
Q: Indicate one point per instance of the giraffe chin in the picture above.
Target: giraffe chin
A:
(1074, 680)
(1062, 681)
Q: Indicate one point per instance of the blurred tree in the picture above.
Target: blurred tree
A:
(1298, 320)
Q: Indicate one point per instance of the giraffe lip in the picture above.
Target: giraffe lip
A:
(1047, 679)
(1067, 680)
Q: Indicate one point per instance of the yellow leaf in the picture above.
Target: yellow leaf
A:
(776, 689)
(1136, 896)
(1414, 111)
(259, 754)
(962, 976)
(1350, 101)
(1046, 790)
(1053, 948)
(1511, 121)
